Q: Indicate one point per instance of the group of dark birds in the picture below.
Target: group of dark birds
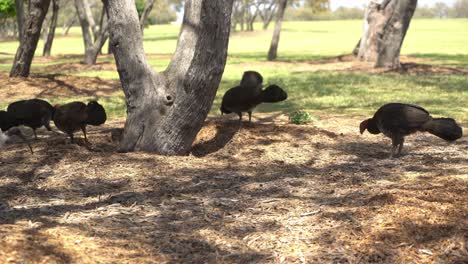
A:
(35, 113)
(394, 120)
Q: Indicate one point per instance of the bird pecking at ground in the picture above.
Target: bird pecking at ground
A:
(397, 120)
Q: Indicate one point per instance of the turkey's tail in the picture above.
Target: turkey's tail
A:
(445, 128)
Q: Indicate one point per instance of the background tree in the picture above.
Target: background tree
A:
(266, 10)
(460, 9)
(441, 10)
(7, 12)
(51, 31)
(19, 12)
(244, 13)
(385, 27)
(272, 52)
(165, 110)
(93, 37)
(32, 30)
(145, 13)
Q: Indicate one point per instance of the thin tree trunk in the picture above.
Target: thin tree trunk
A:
(356, 48)
(89, 17)
(20, 18)
(101, 25)
(85, 25)
(32, 31)
(53, 25)
(45, 29)
(166, 110)
(66, 27)
(272, 53)
(385, 27)
(93, 51)
(144, 16)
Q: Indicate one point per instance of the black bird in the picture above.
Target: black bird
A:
(33, 113)
(396, 120)
(74, 116)
(248, 94)
(7, 120)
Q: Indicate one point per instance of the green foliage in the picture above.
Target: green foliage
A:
(7, 9)
(140, 6)
(163, 13)
(460, 9)
(301, 117)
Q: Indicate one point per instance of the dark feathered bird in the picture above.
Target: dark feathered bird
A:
(74, 116)
(396, 120)
(246, 96)
(33, 113)
(7, 120)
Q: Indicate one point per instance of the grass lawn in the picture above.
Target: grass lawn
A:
(265, 192)
(310, 86)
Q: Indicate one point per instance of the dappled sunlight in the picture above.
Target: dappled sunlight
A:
(248, 192)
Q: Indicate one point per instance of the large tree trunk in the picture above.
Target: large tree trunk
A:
(166, 110)
(272, 53)
(144, 16)
(53, 25)
(31, 34)
(385, 26)
(20, 18)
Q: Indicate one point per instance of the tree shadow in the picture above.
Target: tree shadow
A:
(189, 212)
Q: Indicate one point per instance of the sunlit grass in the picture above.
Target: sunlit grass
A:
(440, 42)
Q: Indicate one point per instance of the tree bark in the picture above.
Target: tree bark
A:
(166, 110)
(266, 13)
(273, 52)
(385, 25)
(20, 18)
(92, 48)
(84, 23)
(92, 51)
(53, 25)
(31, 33)
(144, 16)
(67, 25)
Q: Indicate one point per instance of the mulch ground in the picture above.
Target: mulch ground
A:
(266, 192)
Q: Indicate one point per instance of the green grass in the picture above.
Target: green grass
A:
(440, 42)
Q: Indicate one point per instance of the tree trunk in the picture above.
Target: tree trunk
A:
(272, 53)
(32, 31)
(356, 48)
(90, 17)
(266, 14)
(166, 110)
(53, 25)
(45, 29)
(385, 25)
(20, 17)
(85, 25)
(144, 16)
(92, 48)
(92, 52)
(67, 25)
